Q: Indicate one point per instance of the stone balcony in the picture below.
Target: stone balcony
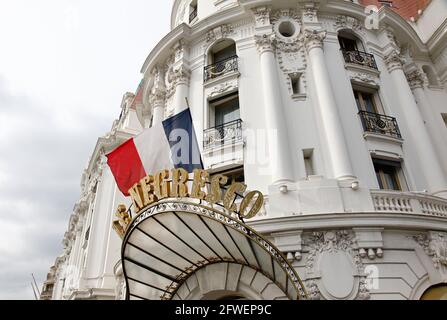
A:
(408, 202)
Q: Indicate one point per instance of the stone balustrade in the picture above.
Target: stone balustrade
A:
(407, 202)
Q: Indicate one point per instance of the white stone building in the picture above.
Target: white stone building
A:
(338, 116)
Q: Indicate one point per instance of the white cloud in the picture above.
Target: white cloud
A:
(62, 76)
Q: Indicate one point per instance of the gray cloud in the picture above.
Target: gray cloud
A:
(62, 77)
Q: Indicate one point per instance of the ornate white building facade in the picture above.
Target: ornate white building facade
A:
(338, 115)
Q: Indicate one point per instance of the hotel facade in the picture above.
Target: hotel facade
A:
(335, 111)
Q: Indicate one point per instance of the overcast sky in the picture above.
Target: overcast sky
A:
(64, 67)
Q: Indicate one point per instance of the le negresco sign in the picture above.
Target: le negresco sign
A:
(176, 183)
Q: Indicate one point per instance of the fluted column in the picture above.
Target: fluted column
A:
(428, 161)
(330, 118)
(416, 80)
(278, 143)
(157, 101)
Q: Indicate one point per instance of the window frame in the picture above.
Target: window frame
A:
(376, 101)
(398, 175)
(213, 104)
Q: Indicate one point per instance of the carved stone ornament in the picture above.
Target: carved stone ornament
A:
(157, 97)
(313, 38)
(347, 22)
(435, 246)
(265, 42)
(177, 77)
(394, 61)
(262, 15)
(223, 88)
(335, 246)
(415, 79)
(364, 78)
(292, 43)
(220, 32)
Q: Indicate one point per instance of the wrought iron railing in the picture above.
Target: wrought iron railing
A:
(379, 123)
(360, 58)
(228, 133)
(192, 15)
(220, 68)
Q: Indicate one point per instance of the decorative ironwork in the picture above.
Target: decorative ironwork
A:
(360, 58)
(227, 133)
(228, 221)
(220, 68)
(379, 123)
(193, 15)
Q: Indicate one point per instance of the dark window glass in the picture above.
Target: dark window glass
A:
(387, 174)
(227, 112)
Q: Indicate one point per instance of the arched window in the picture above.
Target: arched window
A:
(221, 50)
(438, 292)
(221, 59)
(431, 76)
(354, 51)
(349, 41)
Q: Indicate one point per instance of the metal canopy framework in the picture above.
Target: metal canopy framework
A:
(169, 241)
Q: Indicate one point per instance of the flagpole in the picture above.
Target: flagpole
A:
(187, 102)
(35, 283)
(34, 291)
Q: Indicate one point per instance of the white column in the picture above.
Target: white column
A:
(428, 160)
(181, 93)
(157, 101)
(280, 161)
(416, 80)
(330, 118)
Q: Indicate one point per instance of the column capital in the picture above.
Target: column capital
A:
(415, 79)
(265, 42)
(394, 61)
(157, 97)
(179, 76)
(313, 38)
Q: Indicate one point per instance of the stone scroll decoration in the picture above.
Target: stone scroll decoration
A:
(329, 248)
(434, 245)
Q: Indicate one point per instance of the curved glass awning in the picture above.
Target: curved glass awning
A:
(167, 242)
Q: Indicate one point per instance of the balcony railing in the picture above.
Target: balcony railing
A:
(379, 123)
(228, 133)
(220, 68)
(192, 15)
(407, 202)
(360, 58)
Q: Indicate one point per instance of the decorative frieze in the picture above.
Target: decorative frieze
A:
(262, 16)
(347, 22)
(220, 32)
(223, 89)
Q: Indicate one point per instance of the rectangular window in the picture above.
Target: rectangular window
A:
(389, 174)
(192, 11)
(367, 101)
(224, 110)
(308, 162)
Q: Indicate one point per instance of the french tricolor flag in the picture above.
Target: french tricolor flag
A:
(170, 144)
